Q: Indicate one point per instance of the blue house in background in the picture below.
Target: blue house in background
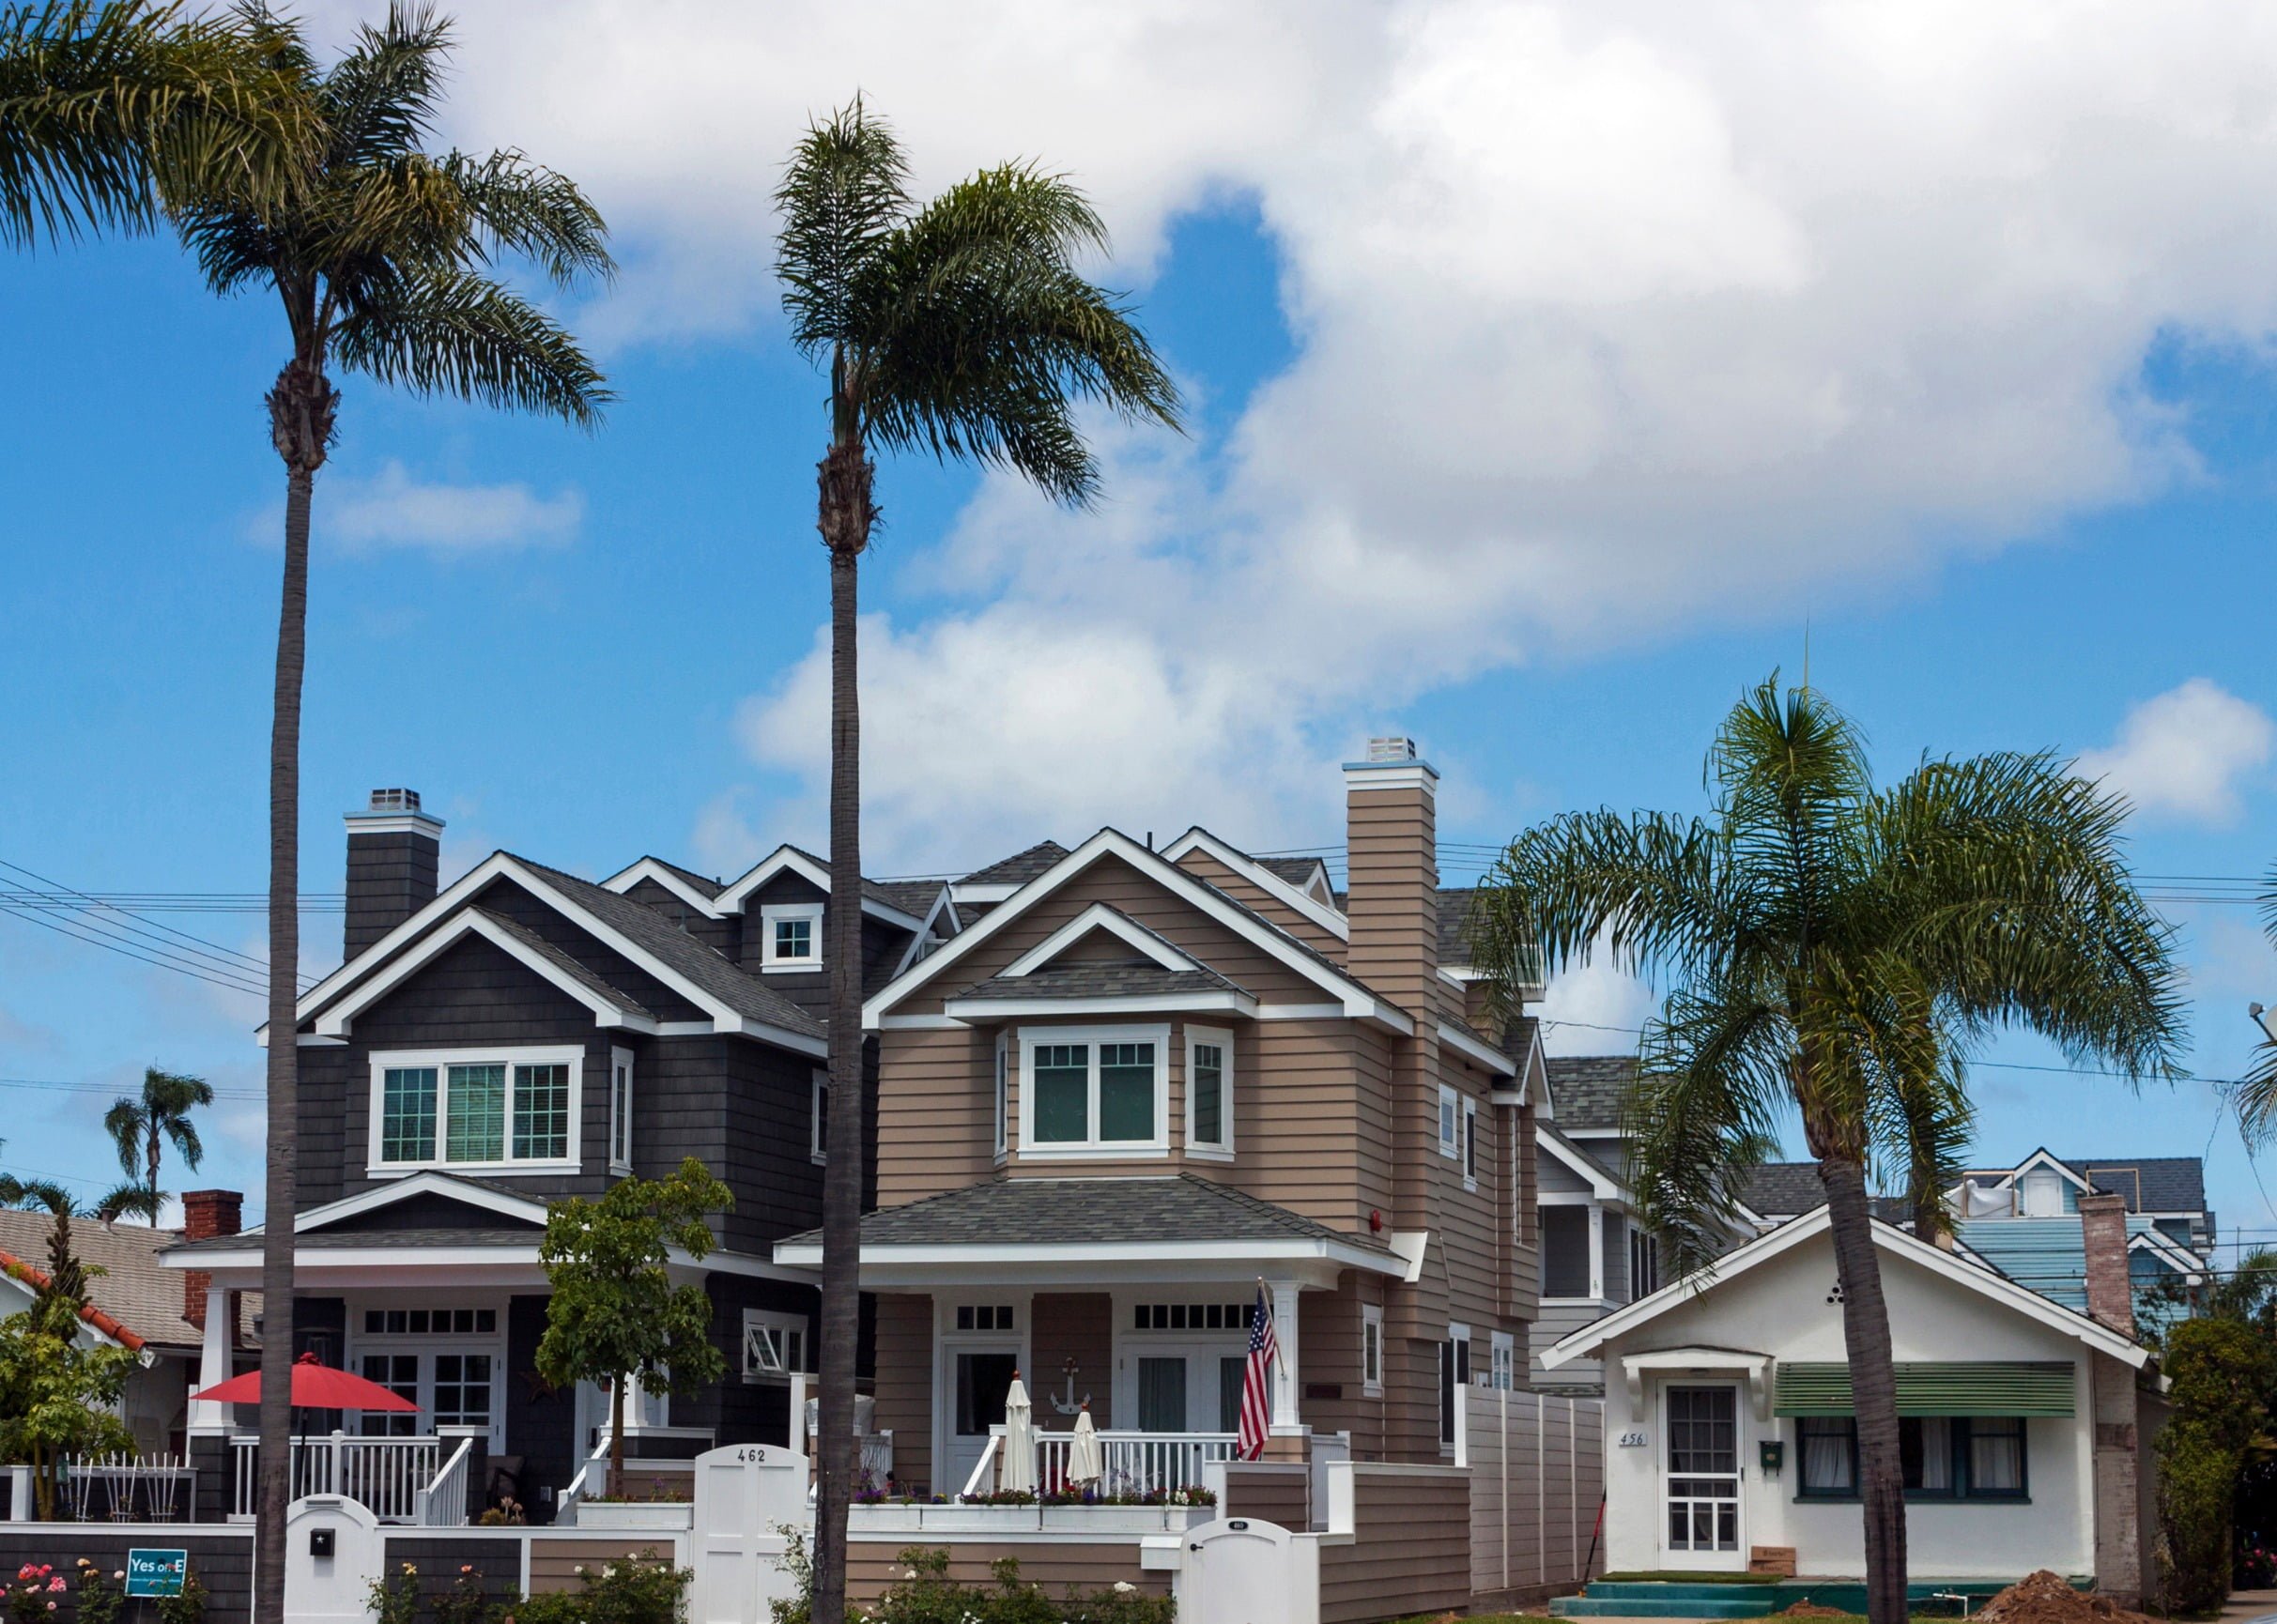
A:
(2024, 1220)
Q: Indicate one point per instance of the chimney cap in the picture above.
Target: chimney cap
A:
(1393, 762)
(1386, 747)
(393, 810)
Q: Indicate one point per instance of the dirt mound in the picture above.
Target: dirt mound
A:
(1812, 1610)
(2045, 1598)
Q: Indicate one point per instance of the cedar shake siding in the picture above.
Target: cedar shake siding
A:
(390, 875)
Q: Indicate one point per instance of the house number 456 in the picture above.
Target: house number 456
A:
(1632, 1440)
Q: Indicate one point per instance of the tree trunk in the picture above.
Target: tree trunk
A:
(301, 409)
(616, 1436)
(844, 520)
(1873, 1386)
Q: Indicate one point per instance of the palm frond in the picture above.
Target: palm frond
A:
(521, 208)
(130, 1201)
(843, 194)
(452, 333)
(378, 100)
(1711, 1076)
(2256, 1095)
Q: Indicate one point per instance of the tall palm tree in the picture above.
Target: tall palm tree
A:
(139, 1126)
(2257, 1097)
(959, 327)
(382, 257)
(1836, 949)
(107, 109)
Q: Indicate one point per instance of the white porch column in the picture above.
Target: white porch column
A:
(213, 1361)
(1283, 1295)
(1596, 1251)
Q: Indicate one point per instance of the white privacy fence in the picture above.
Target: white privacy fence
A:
(387, 1475)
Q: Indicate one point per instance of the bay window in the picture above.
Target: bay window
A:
(1093, 1090)
(494, 1109)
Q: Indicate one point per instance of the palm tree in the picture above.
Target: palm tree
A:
(2257, 1097)
(381, 256)
(139, 1126)
(108, 110)
(1836, 949)
(959, 327)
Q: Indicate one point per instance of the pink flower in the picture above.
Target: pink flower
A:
(55, 1586)
(27, 1571)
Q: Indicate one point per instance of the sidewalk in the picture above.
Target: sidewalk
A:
(2243, 1604)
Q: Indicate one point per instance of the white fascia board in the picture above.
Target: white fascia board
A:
(1602, 1185)
(429, 1182)
(2174, 1256)
(943, 904)
(1986, 1282)
(1356, 1000)
(2048, 1159)
(355, 968)
(732, 900)
(1493, 1059)
(1264, 878)
(959, 892)
(336, 1021)
(968, 1010)
(310, 1259)
(1100, 917)
(649, 868)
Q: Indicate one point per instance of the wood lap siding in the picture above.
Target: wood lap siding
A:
(873, 1566)
(1077, 1326)
(554, 1562)
(1321, 939)
(1410, 1552)
(1271, 1493)
(936, 1112)
(906, 1385)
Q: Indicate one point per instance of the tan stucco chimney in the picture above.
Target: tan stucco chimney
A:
(1391, 857)
(2102, 1221)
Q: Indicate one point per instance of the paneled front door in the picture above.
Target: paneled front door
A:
(978, 1378)
(1701, 1478)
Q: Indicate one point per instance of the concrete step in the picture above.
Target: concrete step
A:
(1727, 1606)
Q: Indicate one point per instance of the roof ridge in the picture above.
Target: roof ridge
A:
(38, 1279)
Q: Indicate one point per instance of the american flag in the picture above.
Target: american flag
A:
(1257, 1382)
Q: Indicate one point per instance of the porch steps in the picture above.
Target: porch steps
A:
(1653, 1599)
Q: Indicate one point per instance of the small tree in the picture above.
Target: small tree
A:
(614, 1311)
(58, 1382)
(2222, 1372)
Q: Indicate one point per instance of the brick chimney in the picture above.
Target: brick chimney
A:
(206, 1213)
(393, 849)
(2102, 1221)
(1392, 853)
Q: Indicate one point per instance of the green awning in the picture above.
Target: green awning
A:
(1983, 1387)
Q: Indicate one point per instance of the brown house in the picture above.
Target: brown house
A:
(1141, 1087)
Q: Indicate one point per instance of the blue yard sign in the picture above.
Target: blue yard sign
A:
(157, 1572)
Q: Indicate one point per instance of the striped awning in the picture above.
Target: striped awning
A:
(1978, 1388)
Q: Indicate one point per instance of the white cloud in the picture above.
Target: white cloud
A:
(1608, 319)
(2185, 754)
(393, 509)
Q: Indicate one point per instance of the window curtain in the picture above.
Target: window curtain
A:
(1830, 1455)
(1996, 1457)
(477, 1107)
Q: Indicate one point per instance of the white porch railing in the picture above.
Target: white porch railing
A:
(591, 1478)
(442, 1503)
(385, 1474)
(877, 1457)
(1132, 1463)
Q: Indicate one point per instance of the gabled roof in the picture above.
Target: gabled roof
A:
(733, 1001)
(2151, 1184)
(1327, 914)
(501, 1207)
(1975, 1277)
(1591, 1089)
(880, 901)
(1358, 1001)
(1129, 983)
(1782, 1189)
(1017, 869)
(134, 1302)
(1604, 1183)
(689, 886)
(1309, 875)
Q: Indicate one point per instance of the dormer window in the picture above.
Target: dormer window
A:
(1093, 1090)
(792, 936)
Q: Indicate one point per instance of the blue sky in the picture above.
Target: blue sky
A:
(1543, 473)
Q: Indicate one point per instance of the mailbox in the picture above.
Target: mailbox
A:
(321, 1541)
(1773, 1452)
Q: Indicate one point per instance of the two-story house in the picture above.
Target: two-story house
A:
(1138, 1087)
(522, 1035)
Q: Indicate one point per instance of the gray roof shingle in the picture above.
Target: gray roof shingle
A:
(562, 961)
(699, 963)
(1090, 1211)
(2167, 1182)
(134, 1288)
(357, 1240)
(1020, 868)
(1297, 871)
(1785, 1189)
(1590, 1089)
(1101, 978)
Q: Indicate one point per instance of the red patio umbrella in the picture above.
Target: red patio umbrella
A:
(315, 1387)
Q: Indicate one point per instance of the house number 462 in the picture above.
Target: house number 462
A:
(1632, 1440)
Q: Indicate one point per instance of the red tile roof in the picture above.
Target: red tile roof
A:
(38, 1279)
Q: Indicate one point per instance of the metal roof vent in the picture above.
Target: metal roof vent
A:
(1391, 747)
(394, 801)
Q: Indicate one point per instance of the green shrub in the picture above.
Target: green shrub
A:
(923, 1593)
(393, 1598)
(2221, 1373)
(186, 1608)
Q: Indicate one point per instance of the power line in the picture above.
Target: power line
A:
(147, 939)
(49, 1086)
(114, 946)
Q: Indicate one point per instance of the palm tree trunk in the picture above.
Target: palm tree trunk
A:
(1873, 1386)
(301, 424)
(844, 521)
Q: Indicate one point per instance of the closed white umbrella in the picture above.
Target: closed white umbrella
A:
(1017, 1471)
(1084, 1464)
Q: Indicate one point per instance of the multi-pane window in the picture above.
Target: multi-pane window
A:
(1093, 1089)
(792, 936)
(478, 1111)
(1372, 1350)
(984, 1316)
(462, 1390)
(1208, 1076)
(1450, 1122)
(1644, 1264)
(774, 1344)
(429, 1322)
(1943, 1457)
(1191, 1316)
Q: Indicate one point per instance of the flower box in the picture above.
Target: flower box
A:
(638, 1516)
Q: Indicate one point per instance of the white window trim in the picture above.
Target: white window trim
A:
(1450, 1124)
(356, 1342)
(1502, 1360)
(818, 1148)
(1468, 1146)
(770, 914)
(621, 1066)
(1004, 1096)
(441, 1060)
(1222, 1148)
(1371, 1337)
(770, 1319)
(1094, 1149)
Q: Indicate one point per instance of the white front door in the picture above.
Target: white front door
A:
(1699, 1524)
(1189, 1387)
(975, 1376)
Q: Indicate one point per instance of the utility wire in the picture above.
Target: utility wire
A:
(103, 923)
